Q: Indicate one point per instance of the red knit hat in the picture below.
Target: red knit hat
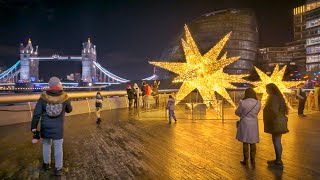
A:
(128, 86)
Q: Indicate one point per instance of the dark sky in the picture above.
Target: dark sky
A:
(127, 33)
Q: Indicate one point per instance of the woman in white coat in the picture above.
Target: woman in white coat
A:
(248, 130)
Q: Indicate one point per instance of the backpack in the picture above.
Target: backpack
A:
(54, 110)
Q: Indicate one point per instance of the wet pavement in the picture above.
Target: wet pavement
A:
(124, 146)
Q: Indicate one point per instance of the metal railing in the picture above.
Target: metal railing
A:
(193, 107)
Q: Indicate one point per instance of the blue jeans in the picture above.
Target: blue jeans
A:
(171, 115)
(58, 152)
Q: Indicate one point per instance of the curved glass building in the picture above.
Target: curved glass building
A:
(208, 29)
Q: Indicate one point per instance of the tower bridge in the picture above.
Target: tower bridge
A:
(26, 69)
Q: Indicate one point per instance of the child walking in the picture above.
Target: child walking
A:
(99, 100)
(170, 107)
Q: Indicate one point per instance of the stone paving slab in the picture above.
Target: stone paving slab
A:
(122, 147)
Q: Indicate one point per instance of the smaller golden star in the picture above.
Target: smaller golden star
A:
(276, 78)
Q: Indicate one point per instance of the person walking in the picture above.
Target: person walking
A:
(302, 97)
(99, 100)
(130, 94)
(136, 95)
(275, 120)
(170, 107)
(50, 109)
(316, 96)
(247, 128)
(155, 92)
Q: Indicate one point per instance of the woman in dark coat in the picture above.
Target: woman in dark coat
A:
(248, 130)
(275, 120)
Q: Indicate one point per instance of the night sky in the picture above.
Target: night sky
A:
(127, 33)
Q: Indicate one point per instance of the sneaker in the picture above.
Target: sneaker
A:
(60, 172)
(46, 167)
(98, 120)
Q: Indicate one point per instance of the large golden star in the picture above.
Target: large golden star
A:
(276, 78)
(204, 73)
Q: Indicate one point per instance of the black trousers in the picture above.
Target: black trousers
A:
(276, 139)
(252, 151)
(135, 105)
(130, 103)
(302, 102)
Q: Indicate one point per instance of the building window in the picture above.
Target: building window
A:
(314, 49)
(312, 6)
(313, 59)
(313, 23)
(315, 40)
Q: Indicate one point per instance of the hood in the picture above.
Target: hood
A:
(171, 100)
(54, 97)
(135, 86)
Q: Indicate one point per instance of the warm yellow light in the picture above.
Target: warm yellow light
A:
(276, 78)
(29, 41)
(204, 73)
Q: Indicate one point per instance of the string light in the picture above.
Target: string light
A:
(204, 73)
(276, 78)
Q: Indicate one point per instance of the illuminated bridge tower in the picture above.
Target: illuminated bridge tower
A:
(29, 71)
(88, 56)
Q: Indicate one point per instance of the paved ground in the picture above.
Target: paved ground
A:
(124, 148)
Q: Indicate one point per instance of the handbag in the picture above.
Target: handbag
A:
(238, 122)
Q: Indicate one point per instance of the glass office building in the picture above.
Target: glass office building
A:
(208, 29)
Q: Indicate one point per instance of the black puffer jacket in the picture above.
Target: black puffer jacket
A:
(51, 127)
(130, 93)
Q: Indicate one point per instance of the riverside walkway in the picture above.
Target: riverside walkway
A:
(124, 147)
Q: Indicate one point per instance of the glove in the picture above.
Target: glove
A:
(36, 137)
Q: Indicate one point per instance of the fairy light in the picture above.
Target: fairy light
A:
(276, 78)
(203, 72)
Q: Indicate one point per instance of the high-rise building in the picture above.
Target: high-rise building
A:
(312, 35)
(208, 29)
(271, 56)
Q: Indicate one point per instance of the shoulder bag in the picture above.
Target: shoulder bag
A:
(238, 122)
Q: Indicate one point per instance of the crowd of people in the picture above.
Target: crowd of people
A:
(140, 97)
(54, 103)
(308, 100)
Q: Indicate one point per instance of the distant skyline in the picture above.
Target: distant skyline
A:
(127, 33)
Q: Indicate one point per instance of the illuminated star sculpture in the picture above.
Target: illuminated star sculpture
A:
(276, 78)
(203, 72)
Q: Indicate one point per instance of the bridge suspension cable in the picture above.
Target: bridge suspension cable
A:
(12, 68)
(153, 77)
(109, 74)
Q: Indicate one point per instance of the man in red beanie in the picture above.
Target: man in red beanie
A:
(130, 93)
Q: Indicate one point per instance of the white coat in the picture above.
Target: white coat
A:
(248, 130)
